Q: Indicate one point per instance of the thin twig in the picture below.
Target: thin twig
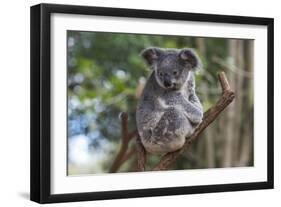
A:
(209, 116)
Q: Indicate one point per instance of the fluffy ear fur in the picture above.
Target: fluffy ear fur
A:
(151, 55)
(190, 58)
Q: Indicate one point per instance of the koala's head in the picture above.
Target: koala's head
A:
(171, 66)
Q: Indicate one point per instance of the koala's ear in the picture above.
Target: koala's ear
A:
(190, 58)
(151, 55)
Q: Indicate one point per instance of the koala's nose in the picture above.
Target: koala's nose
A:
(167, 83)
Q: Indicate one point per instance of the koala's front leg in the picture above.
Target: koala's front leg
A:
(193, 112)
(192, 104)
(181, 102)
(195, 100)
(190, 92)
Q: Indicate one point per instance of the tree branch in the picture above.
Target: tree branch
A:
(128, 155)
(209, 116)
(141, 155)
(126, 137)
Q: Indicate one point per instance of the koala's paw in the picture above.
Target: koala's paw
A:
(197, 117)
(194, 118)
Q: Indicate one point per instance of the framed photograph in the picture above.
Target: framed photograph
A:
(133, 103)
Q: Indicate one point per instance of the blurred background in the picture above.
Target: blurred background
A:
(106, 76)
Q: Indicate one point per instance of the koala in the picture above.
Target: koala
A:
(168, 110)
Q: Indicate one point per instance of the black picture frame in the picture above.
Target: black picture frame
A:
(41, 98)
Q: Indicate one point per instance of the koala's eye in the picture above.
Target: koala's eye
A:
(175, 72)
(160, 73)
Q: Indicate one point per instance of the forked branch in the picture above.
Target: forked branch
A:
(126, 137)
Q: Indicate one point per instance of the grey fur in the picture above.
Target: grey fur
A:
(168, 109)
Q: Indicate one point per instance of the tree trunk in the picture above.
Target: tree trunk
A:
(246, 147)
(230, 116)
